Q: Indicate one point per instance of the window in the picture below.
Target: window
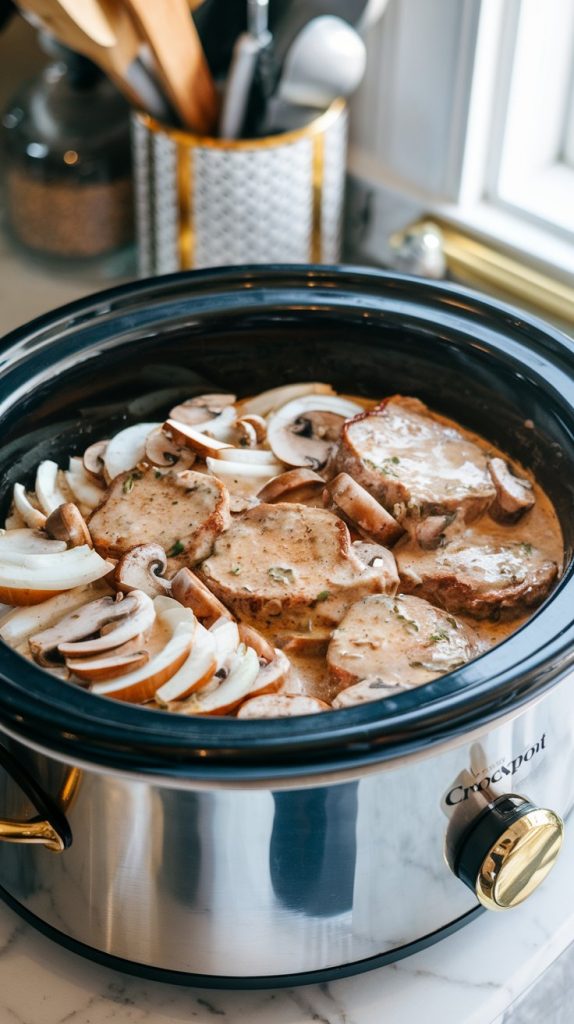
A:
(467, 112)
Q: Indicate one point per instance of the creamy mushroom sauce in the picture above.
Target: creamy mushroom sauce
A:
(236, 444)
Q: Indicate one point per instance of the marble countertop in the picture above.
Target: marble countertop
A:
(473, 977)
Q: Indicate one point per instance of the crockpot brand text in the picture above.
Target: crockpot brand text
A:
(460, 793)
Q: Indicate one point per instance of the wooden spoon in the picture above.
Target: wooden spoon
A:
(170, 31)
(104, 32)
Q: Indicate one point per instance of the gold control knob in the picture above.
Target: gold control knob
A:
(508, 850)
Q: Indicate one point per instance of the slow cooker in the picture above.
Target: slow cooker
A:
(257, 853)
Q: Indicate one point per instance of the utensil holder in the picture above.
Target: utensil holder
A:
(204, 202)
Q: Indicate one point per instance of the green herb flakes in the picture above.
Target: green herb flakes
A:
(176, 549)
(323, 596)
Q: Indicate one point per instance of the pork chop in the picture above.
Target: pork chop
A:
(291, 565)
(479, 573)
(415, 463)
(184, 512)
(396, 643)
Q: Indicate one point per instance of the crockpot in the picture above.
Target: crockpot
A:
(251, 853)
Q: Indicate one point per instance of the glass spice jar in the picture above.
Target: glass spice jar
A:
(68, 164)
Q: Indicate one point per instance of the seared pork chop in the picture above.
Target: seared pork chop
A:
(395, 643)
(415, 464)
(291, 565)
(183, 512)
(479, 573)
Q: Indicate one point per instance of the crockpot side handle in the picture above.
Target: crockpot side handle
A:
(50, 828)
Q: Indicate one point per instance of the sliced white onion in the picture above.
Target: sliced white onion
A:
(127, 448)
(28, 542)
(25, 584)
(83, 485)
(243, 672)
(218, 426)
(48, 490)
(268, 401)
(195, 671)
(242, 470)
(249, 455)
(31, 516)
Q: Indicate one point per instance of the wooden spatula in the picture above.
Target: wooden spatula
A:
(170, 31)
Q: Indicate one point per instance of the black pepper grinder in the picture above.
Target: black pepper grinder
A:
(67, 143)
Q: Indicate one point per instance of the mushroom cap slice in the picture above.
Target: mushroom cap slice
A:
(93, 459)
(80, 622)
(514, 495)
(201, 408)
(67, 523)
(142, 568)
(304, 432)
(42, 576)
(267, 401)
(364, 692)
(199, 442)
(253, 638)
(85, 489)
(127, 448)
(31, 516)
(362, 511)
(110, 664)
(160, 450)
(271, 676)
(295, 485)
(192, 593)
(284, 705)
(138, 616)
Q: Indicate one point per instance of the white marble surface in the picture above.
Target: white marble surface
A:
(470, 978)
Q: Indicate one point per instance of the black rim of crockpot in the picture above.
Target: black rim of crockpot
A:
(37, 707)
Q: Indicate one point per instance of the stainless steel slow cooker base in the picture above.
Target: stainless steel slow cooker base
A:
(138, 970)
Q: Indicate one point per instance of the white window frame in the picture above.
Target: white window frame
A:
(434, 88)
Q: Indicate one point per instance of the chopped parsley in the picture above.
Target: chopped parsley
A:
(236, 570)
(437, 638)
(323, 596)
(176, 549)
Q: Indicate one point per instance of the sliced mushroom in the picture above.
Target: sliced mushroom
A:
(68, 524)
(364, 692)
(296, 485)
(257, 423)
(111, 664)
(252, 638)
(226, 635)
(31, 516)
(141, 684)
(201, 408)
(357, 507)
(189, 590)
(161, 451)
(307, 644)
(430, 532)
(20, 623)
(36, 578)
(267, 401)
(142, 568)
(183, 434)
(305, 431)
(514, 495)
(93, 460)
(84, 621)
(138, 616)
(281, 706)
(375, 556)
(48, 489)
(127, 448)
(245, 434)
